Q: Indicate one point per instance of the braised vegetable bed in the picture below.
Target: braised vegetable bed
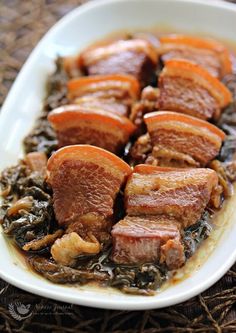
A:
(112, 204)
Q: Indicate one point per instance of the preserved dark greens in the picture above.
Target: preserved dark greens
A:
(228, 150)
(27, 214)
(225, 164)
(43, 138)
(62, 274)
(37, 220)
(228, 123)
(56, 87)
(141, 279)
(196, 233)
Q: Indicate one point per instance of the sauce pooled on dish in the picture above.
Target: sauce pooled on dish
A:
(132, 156)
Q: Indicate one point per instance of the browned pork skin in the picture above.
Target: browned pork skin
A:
(114, 93)
(159, 202)
(76, 125)
(140, 239)
(208, 53)
(179, 193)
(137, 57)
(85, 181)
(187, 88)
(110, 105)
(181, 140)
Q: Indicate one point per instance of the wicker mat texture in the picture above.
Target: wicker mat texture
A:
(22, 23)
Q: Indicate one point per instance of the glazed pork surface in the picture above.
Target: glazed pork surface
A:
(208, 53)
(182, 140)
(115, 88)
(84, 214)
(187, 88)
(137, 57)
(110, 105)
(204, 58)
(140, 239)
(180, 193)
(79, 125)
(181, 95)
(85, 181)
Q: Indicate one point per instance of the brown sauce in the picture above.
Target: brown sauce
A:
(221, 220)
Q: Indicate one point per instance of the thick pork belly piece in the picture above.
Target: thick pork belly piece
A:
(182, 140)
(208, 53)
(110, 105)
(179, 193)
(187, 88)
(137, 57)
(123, 89)
(85, 181)
(76, 125)
(141, 239)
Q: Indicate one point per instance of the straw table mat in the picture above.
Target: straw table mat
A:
(23, 22)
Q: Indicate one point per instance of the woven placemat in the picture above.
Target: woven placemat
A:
(23, 22)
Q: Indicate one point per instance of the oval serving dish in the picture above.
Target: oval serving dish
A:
(71, 34)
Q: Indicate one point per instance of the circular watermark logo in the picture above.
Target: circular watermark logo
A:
(19, 311)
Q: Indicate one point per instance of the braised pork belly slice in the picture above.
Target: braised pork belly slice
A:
(137, 57)
(208, 53)
(76, 125)
(105, 89)
(141, 239)
(85, 181)
(110, 105)
(179, 193)
(182, 140)
(187, 88)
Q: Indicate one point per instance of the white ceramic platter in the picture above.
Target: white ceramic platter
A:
(74, 32)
